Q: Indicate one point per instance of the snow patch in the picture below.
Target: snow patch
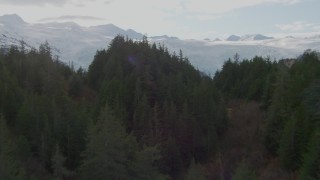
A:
(79, 44)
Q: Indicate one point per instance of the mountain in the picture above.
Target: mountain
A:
(261, 37)
(233, 38)
(208, 56)
(163, 37)
(12, 19)
(78, 44)
(74, 43)
(112, 30)
(248, 37)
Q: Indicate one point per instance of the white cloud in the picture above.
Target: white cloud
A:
(218, 6)
(298, 26)
(72, 18)
(316, 27)
(291, 2)
(206, 17)
(33, 2)
(180, 18)
(201, 35)
(44, 2)
(199, 6)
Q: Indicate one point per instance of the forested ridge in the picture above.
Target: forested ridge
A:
(139, 112)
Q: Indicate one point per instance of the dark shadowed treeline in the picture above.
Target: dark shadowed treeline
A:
(45, 109)
(289, 94)
(162, 100)
(139, 112)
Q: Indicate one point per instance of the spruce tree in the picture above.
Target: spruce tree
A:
(244, 172)
(311, 162)
(60, 172)
(288, 150)
(111, 153)
(195, 171)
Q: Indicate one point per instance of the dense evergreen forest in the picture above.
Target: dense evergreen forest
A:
(139, 112)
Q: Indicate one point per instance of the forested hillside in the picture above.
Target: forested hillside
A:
(289, 95)
(139, 112)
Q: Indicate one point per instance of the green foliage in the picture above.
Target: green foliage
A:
(290, 96)
(311, 99)
(310, 168)
(58, 161)
(195, 171)
(278, 110)
(246, 79)
(40, 112)
(111, 153)
(244, 172)
(160, 97)
(145, 165)
(288, 153)
(9, 166)
(23, 148)
(152, 93)
(171, 161)
(164, 113)
(294, 110)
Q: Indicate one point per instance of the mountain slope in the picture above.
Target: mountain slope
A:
(75, 43)
(78, 44)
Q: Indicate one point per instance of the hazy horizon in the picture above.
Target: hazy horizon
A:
(186, 19)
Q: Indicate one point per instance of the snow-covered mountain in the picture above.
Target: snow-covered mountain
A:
(233, 38)
(75, 43)
(248, 37)
(78, 44)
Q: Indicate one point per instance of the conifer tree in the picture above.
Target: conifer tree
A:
(9, 165)
(113, 154)
(244, 172)
(195, 171)
(288, 150)
(311, 161)
(60, 172)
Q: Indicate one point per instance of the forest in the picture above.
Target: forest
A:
(141, 112)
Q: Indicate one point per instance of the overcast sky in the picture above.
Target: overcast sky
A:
(182, 18)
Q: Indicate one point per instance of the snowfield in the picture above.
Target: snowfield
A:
(77, 44)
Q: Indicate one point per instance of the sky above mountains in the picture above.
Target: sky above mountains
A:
(185, 19)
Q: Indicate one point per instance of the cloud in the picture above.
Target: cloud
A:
(202, 16)
(208, 10)
(199, 35)
(33, 2)
(316, 27)
(298, 26)
(218, 6)
(108, 2)
(44, 2)
(199, 6)
(206, 17)
(72, 18)
(173, 17)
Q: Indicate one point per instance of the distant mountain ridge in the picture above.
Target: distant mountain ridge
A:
(233, 38)
(78, 44)
(249, 37)
(12, 19)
